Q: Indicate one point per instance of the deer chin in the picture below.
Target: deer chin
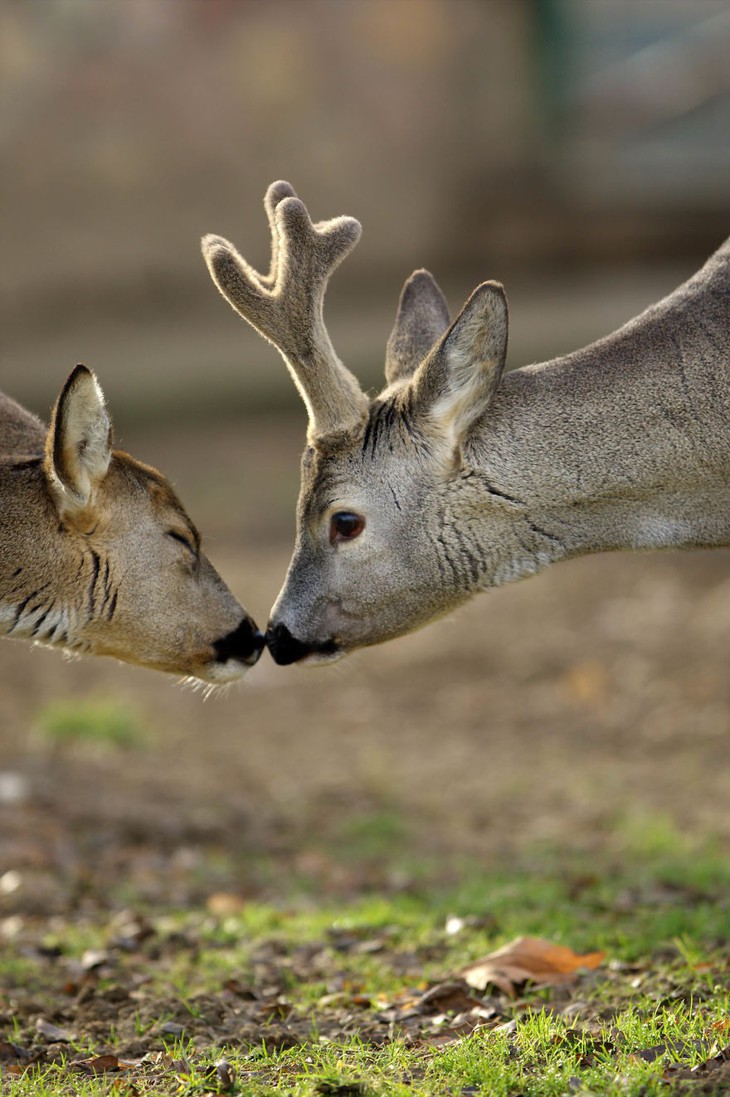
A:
(203, 671)
(211, 677)
(223, 670)
(221, 674)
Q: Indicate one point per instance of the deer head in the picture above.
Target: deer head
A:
(455, 479)
(97, 554)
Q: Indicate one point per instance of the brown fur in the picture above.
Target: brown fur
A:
(92, 558)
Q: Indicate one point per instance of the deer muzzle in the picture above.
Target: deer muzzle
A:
(243, 645)
(286, 648)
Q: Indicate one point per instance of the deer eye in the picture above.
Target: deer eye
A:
(183, 540)
(345, 526)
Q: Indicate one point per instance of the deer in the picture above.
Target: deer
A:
(460, 476)
(99, 557)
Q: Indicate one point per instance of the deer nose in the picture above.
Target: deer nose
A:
(245, 644)
(284, 647)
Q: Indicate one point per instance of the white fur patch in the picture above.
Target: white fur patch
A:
(657, 531)
(54, 629)
(222, 673)
(7, 616)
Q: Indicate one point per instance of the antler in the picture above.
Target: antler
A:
(286, 305)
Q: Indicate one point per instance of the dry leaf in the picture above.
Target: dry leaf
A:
(171, 1028)
(225, 1074)
(52, 1032)
(450, 997)
(94, 958)
(528, 959)
(9, 1051)
(100, 1064)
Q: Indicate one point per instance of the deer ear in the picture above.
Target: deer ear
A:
(456, 383)
(422, 317)
(78, 447)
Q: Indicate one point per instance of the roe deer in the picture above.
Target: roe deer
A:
(457, 478)
(97, 555)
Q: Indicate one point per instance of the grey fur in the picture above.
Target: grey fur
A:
(468, 479)
(286, 305)
(422, 317)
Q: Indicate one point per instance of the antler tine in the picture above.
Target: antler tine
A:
(275, 193)
(239, 283)
(286, 305)
(307, 255)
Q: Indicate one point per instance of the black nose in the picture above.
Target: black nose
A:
(245, 644)
(286, 649)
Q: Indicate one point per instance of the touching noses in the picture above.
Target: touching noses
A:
(244, 644)
(286, 649)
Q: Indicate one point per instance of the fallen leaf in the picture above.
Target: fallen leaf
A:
(648, 1054)
(715, 1071)
(225, 1074)
(100, 1064)
(451, 997)
(52, 1032)
(9, 1051)
(171, 1028)
(94, 958)
(528, 959)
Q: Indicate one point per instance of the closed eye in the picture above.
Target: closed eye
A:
(184, 540)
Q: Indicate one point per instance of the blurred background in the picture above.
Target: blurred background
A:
(576, 150)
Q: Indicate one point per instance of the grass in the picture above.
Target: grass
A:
(313, 998)
(103, 721)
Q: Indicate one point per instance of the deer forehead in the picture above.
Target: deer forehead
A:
(356, 473)
(131, 477)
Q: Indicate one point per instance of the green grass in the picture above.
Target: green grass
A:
(106, 721)
(311, 998)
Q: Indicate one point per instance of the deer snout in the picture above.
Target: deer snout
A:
(244, 644)
(286, 648)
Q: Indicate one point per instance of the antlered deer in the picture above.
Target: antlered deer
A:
(457, 478)
(97, 555)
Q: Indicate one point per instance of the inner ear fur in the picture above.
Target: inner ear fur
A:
(456, 383)
(78, 445)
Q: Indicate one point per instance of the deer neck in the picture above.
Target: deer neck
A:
(625, 444)
(32, 551)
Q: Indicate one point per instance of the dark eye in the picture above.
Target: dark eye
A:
(182, 540)
(345, 526)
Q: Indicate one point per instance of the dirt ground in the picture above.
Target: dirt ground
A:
(561, 710)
